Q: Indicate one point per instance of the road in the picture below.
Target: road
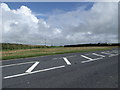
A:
(97, 69)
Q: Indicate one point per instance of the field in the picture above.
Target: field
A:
(20, 51)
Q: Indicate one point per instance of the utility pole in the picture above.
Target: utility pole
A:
(45, 42)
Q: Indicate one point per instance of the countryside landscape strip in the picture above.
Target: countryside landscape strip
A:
(14, 53)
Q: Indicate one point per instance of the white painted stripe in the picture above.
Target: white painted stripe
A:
(98, 54)
(72, 56)
(18, 59)
(88, 54)
(66, 60)
(110, 54)
(105, 53)
(91, 60)
(115, 52)
(55, 58)
(23, 74)
(32, 67)
(16, 64)
(86, 57)
(113, 55)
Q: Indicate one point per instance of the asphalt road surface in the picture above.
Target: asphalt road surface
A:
(97, 69)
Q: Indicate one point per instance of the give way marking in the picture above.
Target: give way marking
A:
(32, 67)
(26, 73)
(91, 59)
(66, 60)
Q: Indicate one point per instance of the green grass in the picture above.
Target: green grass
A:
(25, 53)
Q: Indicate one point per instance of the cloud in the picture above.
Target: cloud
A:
(98, 24)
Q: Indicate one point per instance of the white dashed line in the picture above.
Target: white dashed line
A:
(98, 55)
(91, 60)
(23, 74)
(66, 60)
(55, 58)
(87, 54)
(16, 64)
(71, 56)
(115, 51)
(113, 55)
(86, 57)
(32, 67)
(108, 53)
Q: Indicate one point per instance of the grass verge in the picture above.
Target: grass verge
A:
(25, 53)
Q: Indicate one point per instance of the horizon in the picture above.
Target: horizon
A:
(63, 45)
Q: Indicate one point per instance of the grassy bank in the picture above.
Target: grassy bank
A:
(23, 53)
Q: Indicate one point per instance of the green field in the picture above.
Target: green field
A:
(24, 51)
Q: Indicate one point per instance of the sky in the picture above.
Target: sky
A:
(59, 23)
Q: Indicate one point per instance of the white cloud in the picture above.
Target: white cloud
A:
(99, 24)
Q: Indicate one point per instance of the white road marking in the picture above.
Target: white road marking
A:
(115, 52)
(88, 54)
(98, 55)
(66, 60)
(23, 74)
(91, 60)
(55, 58)
(72, 56)
(18, 59)
(16, 64)
(113, 55)
(86, 57)
(32, 67)
(108, 53)
(105, 53)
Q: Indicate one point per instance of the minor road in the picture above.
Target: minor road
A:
(97, 69)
